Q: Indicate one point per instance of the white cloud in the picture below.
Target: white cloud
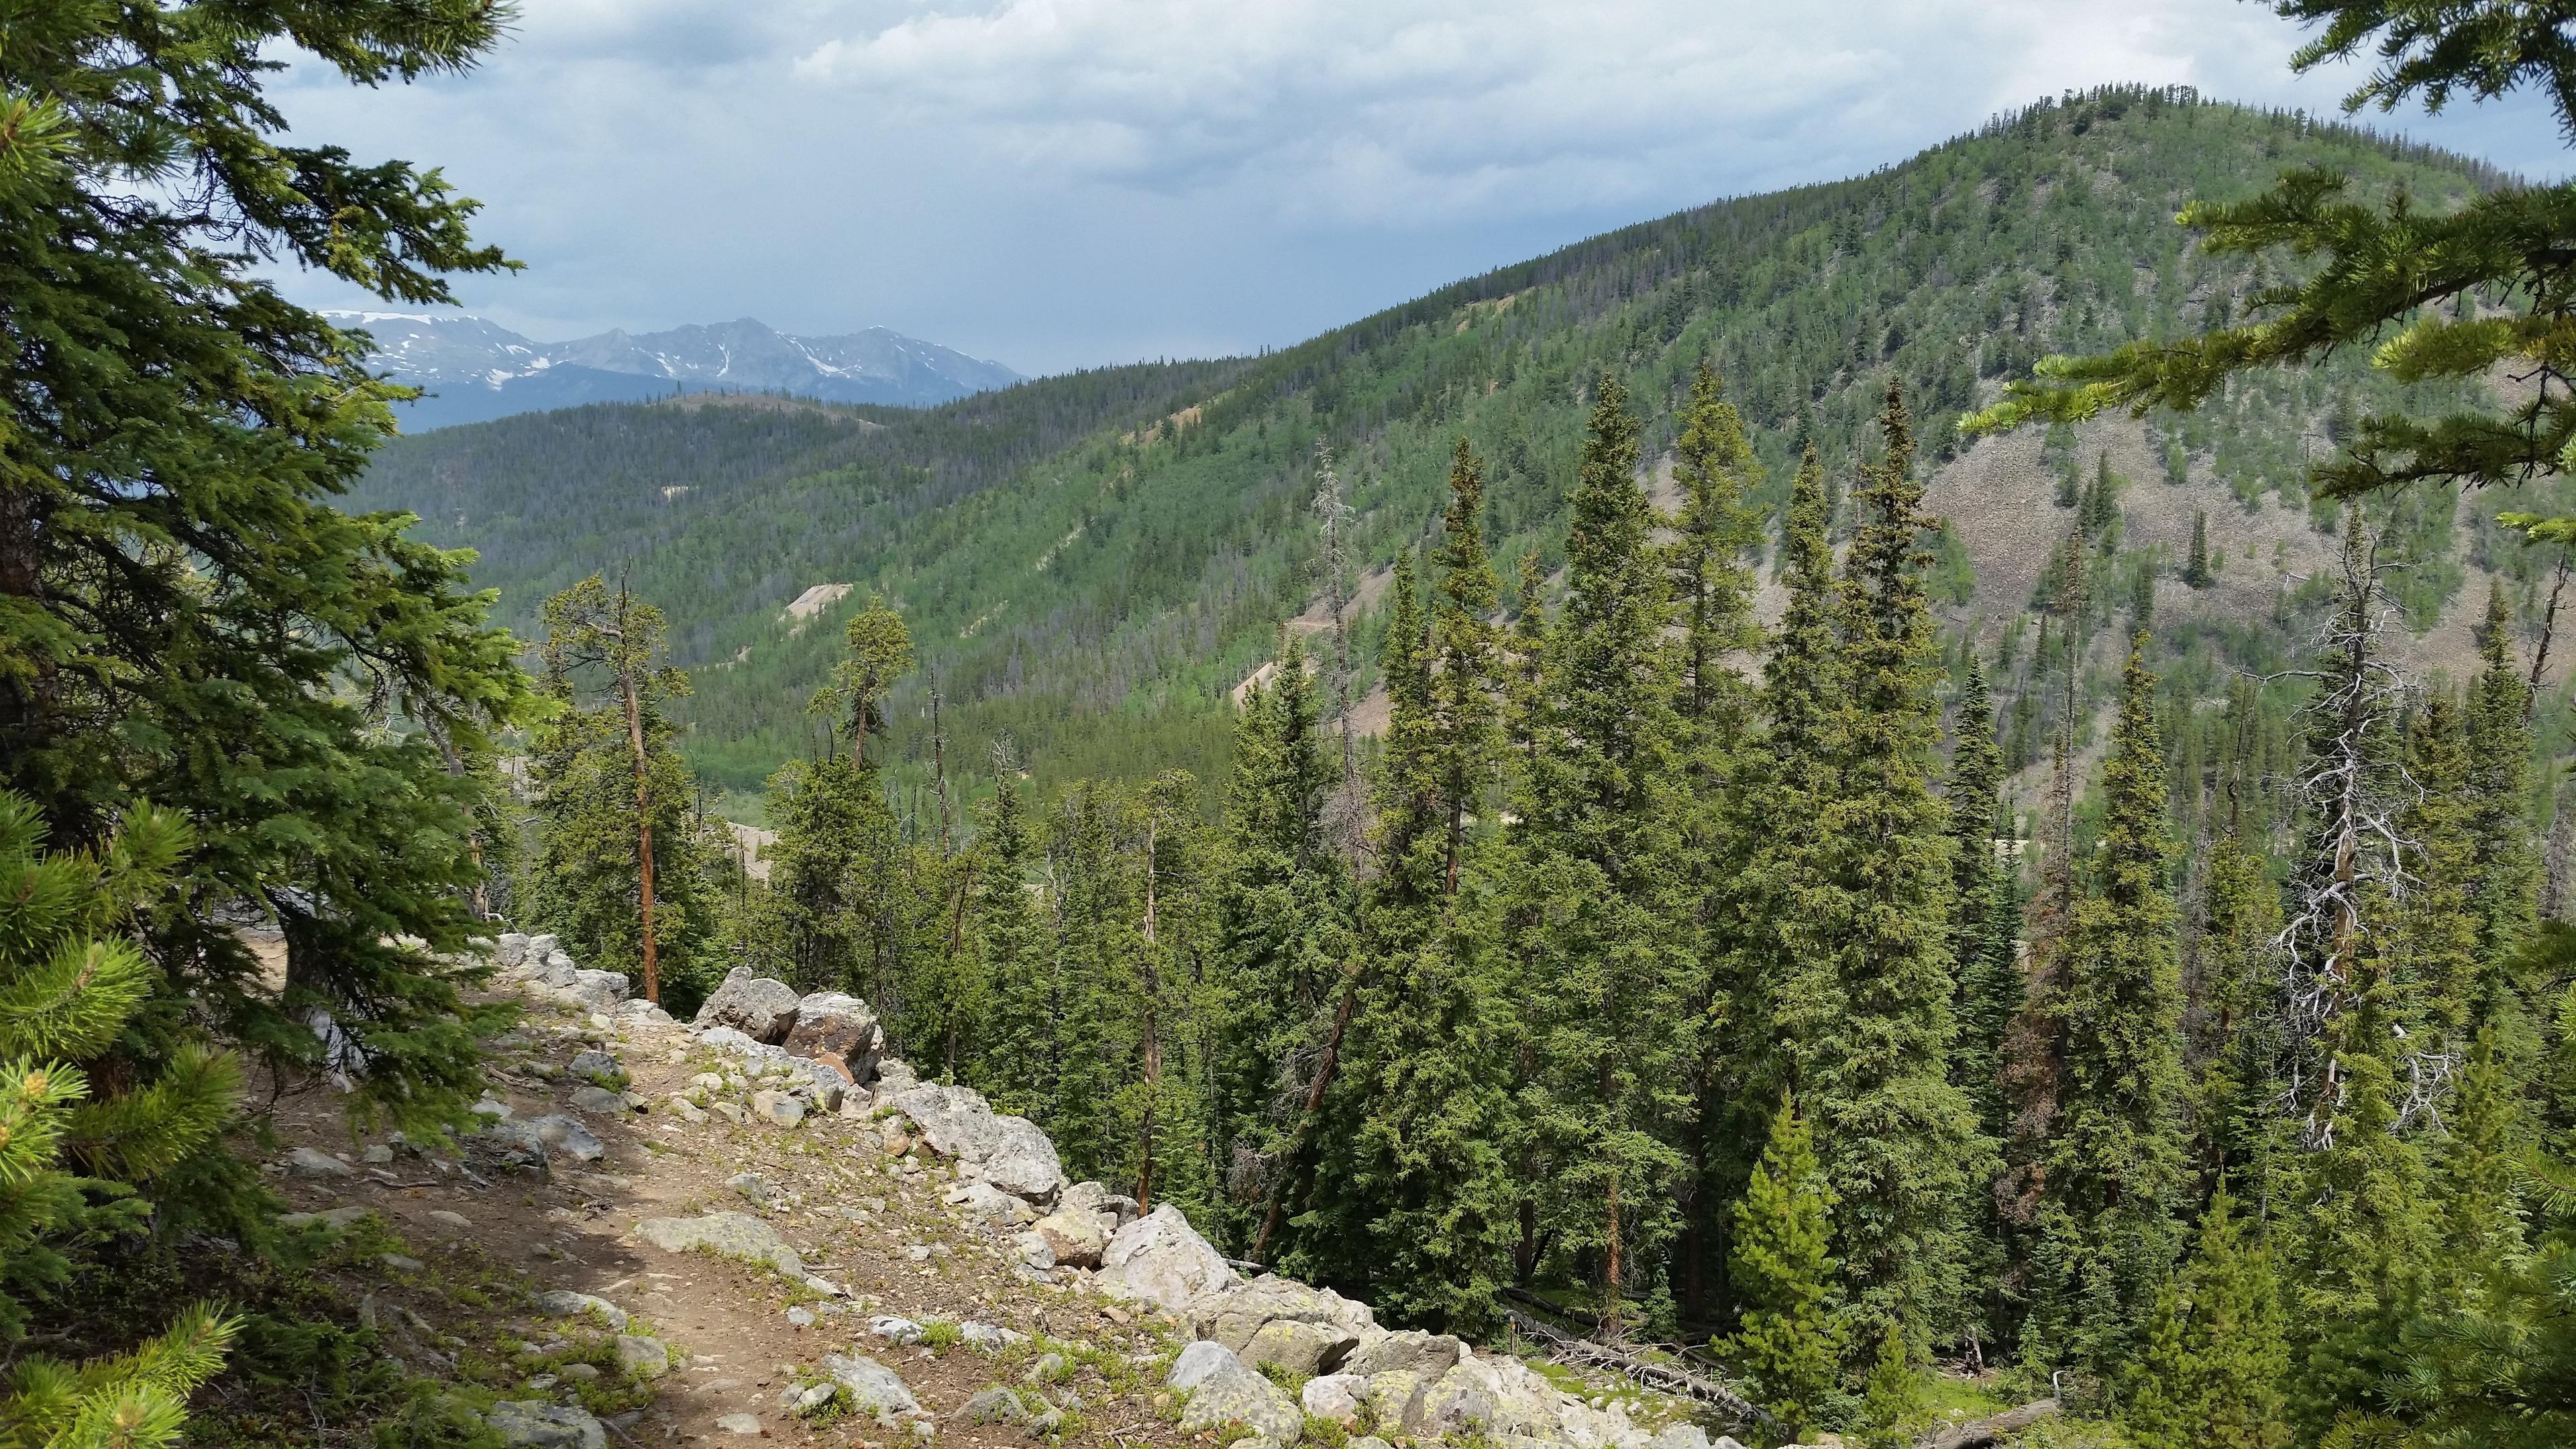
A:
(1055, 182)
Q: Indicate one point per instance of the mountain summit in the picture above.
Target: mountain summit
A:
(475, 370)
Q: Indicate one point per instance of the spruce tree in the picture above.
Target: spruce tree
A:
(1788, 1340)
(1609, 980)
(1898, 1140)
(2210, 1368)
(1981, 928)
(1411, 1198)
(2438, 953)
(185, 617)
(1016, 1050)
(2115, 1166)
(2231, 1047)
(2195, 571)
(72, 981)
(2503, 862)
(587, 880)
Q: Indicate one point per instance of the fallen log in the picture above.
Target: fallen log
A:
(1989, 1429)
(1663, 1378)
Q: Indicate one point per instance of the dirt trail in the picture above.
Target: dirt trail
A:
(477, 1244)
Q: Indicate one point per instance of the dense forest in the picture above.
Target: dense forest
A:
(1518, 805)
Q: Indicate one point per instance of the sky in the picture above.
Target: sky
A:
(1061, 183)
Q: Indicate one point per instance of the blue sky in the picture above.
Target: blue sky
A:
(1053, 183)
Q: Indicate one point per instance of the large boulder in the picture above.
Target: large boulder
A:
(1300, 1348)
(598, 990)
(1114, 1209)
(867, 1386)
(1224, 1390)
(509, 952)
(565, 1303)
(1411, 1349)
(1012, 1153)
(756, 1006)
(1073, 1238)
(739, 1236)
(828, 1021)
(1337, 1397)
(563, 1134)
(1237, 1313)
(1159, 1259)
(990, 1204)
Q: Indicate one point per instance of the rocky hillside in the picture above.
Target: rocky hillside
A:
(753, 1225)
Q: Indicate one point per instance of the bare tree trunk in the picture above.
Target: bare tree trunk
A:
(939, 769)
(1153, 1040)
(1610, 1303)
(643, 829)
(2548, 627)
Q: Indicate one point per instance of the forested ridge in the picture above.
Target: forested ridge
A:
(1092, 562)
(1519, 809)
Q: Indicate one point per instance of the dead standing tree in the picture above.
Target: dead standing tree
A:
(2353, 789)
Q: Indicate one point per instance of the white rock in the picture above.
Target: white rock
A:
(756, 1006)
(739, 1236)
(1334, 1396)
(540, 1425)
(565, 1303)
(738, 1424)
(868, 1386)
(567, 1136)
(313, 1162)
(895, 1330)
(1159, 1259)
(1223, 1390)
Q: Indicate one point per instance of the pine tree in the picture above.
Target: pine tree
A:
(2230, 1049)
(185, 617)
(71, 982)
(2439, 955)
(2196, 572)
(1788, 1341)
(1898, 1141)
(2504, 865)
(1598, 835)
(1717, 470)
(876, 651)
(617, 871)
(836, 860)
(1017, 1049)
(2115, 1174)
(1981, 941)
(1411, 1197)
(2210, 1369)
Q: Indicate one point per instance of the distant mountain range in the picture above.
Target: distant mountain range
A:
(474, 370)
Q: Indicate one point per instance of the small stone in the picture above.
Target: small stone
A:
(377, 1152)
(777, 1108)
(314, 1163)
(869, 1386)
(686, 1110)
(338, 1217)
(599, 1067)
(580, 1373)
(1049, 1367)
(917, 1253)
(739, 1236)
(738, 1424)
(453, 1220)
(540, 1425)
(598, 1101)
(811, 1397)
(498, 1111)
(707, 1082)
(569, 1137)
(403, 1263)
(996, 1405)
(564, 1303)
(755, 1187)
(732, 1112)
(895, 1330)
(800, 1318)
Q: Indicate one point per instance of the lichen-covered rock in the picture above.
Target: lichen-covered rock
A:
(312, 1162)
(995, 1405)
(829, 1021)
(867, 1386)
(642, 1357)
(540, 1425)
(564, 1303)
(599, 1101)
(1683, 1436)
(1427, 1354)
(1395, 1398)
(1160, 1259)
(756, 1006)
(597, 1066)
(1234, 1313)
(1298, 1347)
(739, 1236)
(1075, 1238)
(598, 990)
(1224, 1390)
(509, 951)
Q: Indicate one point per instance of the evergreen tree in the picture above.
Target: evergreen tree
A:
(2115, 1171)
(1017, 1047)
(1610, 980)
(835, 861)
(1898, 1140)
(876, 651)
(71, 983)
(1981, 930)
(1788, 1341)
(608, 857)
(185, 617)
(2439, 956)
(2503, 862)
(2230, 1048)
(1412, 1202)
(2196, 572)
(2209, 1372)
